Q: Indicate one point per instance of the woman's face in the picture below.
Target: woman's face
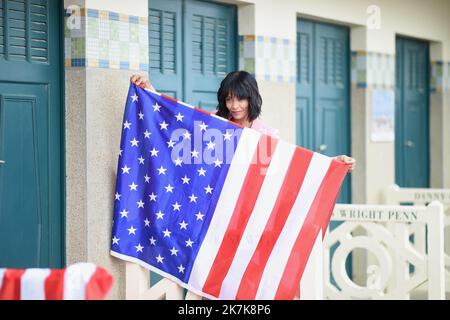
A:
(238, 108)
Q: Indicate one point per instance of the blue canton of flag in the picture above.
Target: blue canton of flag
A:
(171, 171)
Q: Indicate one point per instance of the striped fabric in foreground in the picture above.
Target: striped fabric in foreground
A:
(81, 281)
(224, 211)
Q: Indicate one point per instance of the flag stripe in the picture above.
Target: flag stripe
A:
(225, 207)
(282, 250)
(32, 286)
(241, 214)
(98, 285)
(320, 211)
(75, 279)
(54, 285)
(285, 201)
(10, 289)
(260, 214)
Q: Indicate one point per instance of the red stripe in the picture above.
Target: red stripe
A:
(10, 289)
(283, 206)
(318, 217)
(203, 111)
(54, 285)
(242, 211)
(99, 285)
(170, 98)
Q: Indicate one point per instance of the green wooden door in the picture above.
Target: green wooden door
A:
(192, 46)
(209, 50)
(31, 115)
(323, 91)
(412, 114)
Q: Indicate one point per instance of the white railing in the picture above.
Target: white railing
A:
(421, 196)
(386, 234)
(138, 286)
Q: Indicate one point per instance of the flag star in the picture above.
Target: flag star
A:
(115, 240)
(173, 251)
(156, 107)
(154, 152)
(187, 135)
(140, 204)
(159, 215)
(181, 268)
(147, 179)
(133, 186)
(167, 233)
(217, 163)
(141, 160)
(194, 154)
(141, 116)
(189, 243)
(124, 213)
(193, 198)
(134, 142)
(153, 197)
(185, 180)
(117, 196)
(127, 125)
(120, 153)
(125, 169)
(201, 172)
(208, 189)
(164, 125)
(152, 241)
(183, 225)
(179, 117)
(132, 230)
(199, 216)
(139, 248)
(227, 136)
(147, 134)
(134, 98)
(210, 145)
(203, 126)
(161, 170)
(178, 162)
(169, 188)
(176, 206)
(159, 258)
(171, 143)
(147, 222)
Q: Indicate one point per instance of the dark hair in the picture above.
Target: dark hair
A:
(242, 85)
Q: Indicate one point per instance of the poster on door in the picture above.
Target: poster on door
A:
(383, 113)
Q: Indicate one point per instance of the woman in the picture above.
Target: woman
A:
(240, 102)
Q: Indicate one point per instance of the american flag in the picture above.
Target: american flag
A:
(79, 281)
(224, 211)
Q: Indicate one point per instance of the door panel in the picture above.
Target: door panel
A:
(210, 42)
(323, 86)
(24, 179)
(165, 43)
(31, 131)
(412, 114)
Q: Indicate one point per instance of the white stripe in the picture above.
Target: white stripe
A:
(281, 252)
(186, 105)
(76, 277)
(225, 207)
(261, 213)
(32, 284)
(2, 272)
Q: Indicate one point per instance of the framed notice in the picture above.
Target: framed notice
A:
(383, 115)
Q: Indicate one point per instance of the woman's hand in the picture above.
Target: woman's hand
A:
(141, 81)
(347, 160)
